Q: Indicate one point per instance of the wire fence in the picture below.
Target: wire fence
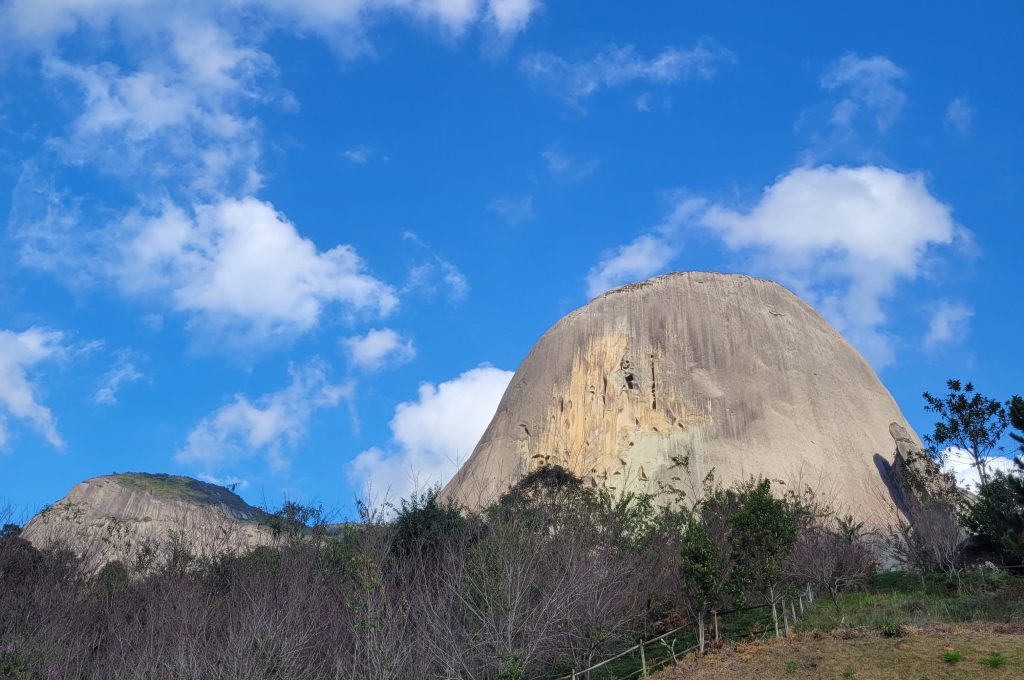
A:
(786, 611)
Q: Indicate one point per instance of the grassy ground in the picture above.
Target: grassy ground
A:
(897, 626)
(898, 599)
(858, 654)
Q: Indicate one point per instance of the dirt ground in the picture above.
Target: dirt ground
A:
(867, 655)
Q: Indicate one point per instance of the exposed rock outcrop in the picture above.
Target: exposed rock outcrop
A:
(734, 374)
(137, 516)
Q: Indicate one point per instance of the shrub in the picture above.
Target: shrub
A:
(892, 629)
(952, 656)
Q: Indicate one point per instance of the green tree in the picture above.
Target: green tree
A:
(763, 535)
(996, 517)
(423, 523)
(1016, 409)
(702, 573)
(967, 420)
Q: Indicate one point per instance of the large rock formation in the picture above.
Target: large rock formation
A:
(733, 374)
(135, 516)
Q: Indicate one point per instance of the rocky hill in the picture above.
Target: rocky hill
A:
(663, 382)
(134, 515)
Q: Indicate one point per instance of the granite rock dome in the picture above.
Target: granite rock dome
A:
(733, 373)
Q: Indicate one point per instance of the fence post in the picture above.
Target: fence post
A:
(643, 660)
(717, 638)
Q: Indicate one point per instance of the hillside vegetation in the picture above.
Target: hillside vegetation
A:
(552, 578)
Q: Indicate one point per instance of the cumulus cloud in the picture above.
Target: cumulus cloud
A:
(432, 435)
(123, 373)
(949, 323)
(513, 210)
(19, 354)
(168, 104)
(241, 269)
(270, 425)
(177, 118)
(870, 87)
(845, 237)
(617, 66)
(959, 115)
(379, 347)
(842, 237)
(960, 464)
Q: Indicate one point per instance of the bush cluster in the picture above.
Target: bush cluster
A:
(553, 576)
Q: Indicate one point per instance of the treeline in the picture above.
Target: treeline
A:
(554, 576)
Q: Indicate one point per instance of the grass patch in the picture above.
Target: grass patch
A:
(952, 656)
(891, 602)
(183, 488)
(994, 660)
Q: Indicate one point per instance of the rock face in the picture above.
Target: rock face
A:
(123, 516)
(735, 374)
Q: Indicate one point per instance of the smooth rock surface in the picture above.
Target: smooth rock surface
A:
(736, 374)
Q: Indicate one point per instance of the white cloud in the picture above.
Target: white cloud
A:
(342, 24)
(233, 483)
(842, 237)
(643, 102)
(271, 425)
(176, 118)
(432, 435)
(646, 255)
(424, 277)
(20, 352)
(565, 166)
(640, 259)
(240, 269)
(870, 87)
(379, 347)
(959, 115)
(949, 323)
(618, 66)
(511, 16)
(44, 223)
(960, 464)
(360, 155)
(513, 210)
(122, 374)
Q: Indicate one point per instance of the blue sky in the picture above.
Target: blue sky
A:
(301, 245)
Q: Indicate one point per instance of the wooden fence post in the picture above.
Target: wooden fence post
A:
(643, 660)
(716, 628)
